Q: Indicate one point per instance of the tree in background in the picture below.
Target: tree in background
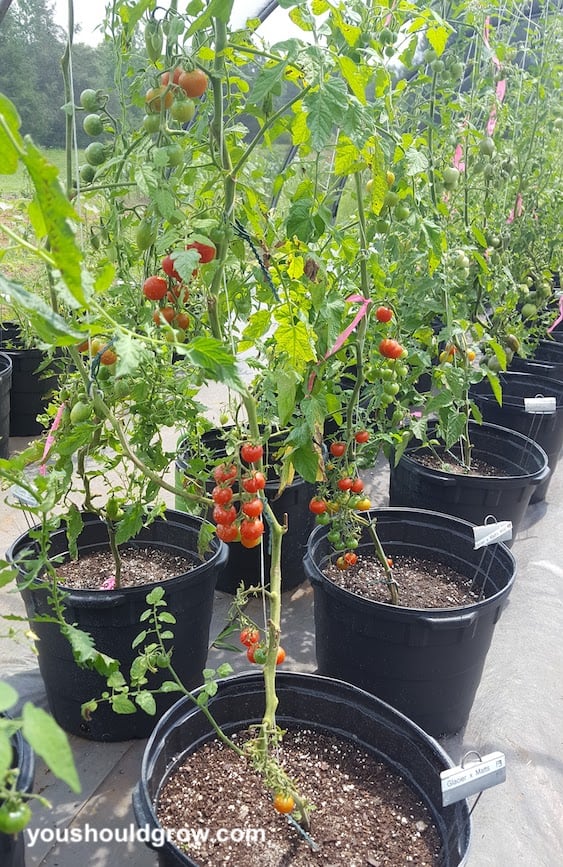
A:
(31, 47)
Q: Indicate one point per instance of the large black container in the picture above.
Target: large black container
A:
(425, 663)
(30, 387)
(549, 351)
(546, 429)
(12, 847)
(305, 700)
(550, 369)
(474, 498)
(5, 385)
(245, 563)
(112, 618)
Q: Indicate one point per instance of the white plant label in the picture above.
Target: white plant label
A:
(486, 534)
(462, 781)
(540, 404)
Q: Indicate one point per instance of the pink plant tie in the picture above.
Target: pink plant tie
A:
(559, 318)
(517, 210)
(458, 159)
(344, 335)
(50, 439)
(109, 584)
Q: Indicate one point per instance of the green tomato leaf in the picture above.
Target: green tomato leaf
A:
(50, 742)
(146, 702)
(8, 697)
(11, 142)
(122, 705)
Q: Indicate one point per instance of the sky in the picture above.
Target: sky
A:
(89, 14)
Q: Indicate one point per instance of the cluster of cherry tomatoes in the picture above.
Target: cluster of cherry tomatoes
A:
(175, 94)
(256, 649)
(337, 504)
(243, 524)
(171, 293)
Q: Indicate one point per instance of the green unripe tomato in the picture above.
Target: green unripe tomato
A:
(95, 153)
(89, 99)
(93, 125)
(437, 66)
(487, 146)
(391, 388)
(14, 816)
(386, 36)
(390, 199)
(529, 311)
(401, 212)
(151, 123)
(451, 177)
(183, 110)
(457, 69)
(494, 364)
(382, 227)
(175, 155)
(80, 412)
(389, 50)
(146, 234)
(87, 173)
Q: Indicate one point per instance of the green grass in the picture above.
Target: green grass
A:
(18, 183)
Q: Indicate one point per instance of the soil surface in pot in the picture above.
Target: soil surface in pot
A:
(365, 814)
(139, 566)
(441, 463)
(423, 583)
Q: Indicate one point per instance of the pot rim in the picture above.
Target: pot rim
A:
(386, 608)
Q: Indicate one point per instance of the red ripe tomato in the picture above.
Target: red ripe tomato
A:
(280, 656)
(251, 452)
(383, 314)
(157, 97)
(390, 348)
(249, 636)
(254, 483)
(224, 516)
(338, 449)
(108, 357)
(182, 320)
(345, 484)
(227, 532)
(251, 529)
(165, 77)
(342, 564)
(362, 436)
(221, 495)
(168, 268)
(206, 252)
(317, 506)
(253, 508)
(193, 82)
(250, 543)
(351, 558)
(155, 288)
(252, 648)
(225, 473)
(357, 486)
(165, 314)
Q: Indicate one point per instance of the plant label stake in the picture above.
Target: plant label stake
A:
(485, 534)
(540, 404)
(469, 778)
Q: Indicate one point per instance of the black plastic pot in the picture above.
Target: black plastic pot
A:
(245, 563)
(12, 847)
(474, 498)
(5, 385)
(112, 618)
(550, 351)
(29, 387)
(425, 663)
(549, 369)
(546, 429)
(309, 701)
